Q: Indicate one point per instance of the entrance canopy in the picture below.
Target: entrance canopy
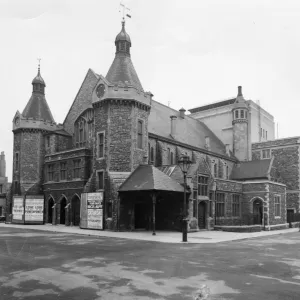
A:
(149, 178)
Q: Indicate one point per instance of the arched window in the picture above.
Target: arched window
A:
(140, 134)
(236, 114)
(227, 172)
(83, 128)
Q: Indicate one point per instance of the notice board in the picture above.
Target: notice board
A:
(91, 212)
(18, 209)
(34, 209)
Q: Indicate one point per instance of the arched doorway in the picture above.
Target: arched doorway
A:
(75, 211)
(202, 215)
(257, 212)
(50, 210)
(63, 204)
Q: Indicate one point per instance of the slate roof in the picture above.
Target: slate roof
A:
(188, 130)
(37, 108)
(123, 70)
(149, 178)
(255, 169)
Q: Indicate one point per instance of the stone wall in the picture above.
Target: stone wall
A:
(83, 100)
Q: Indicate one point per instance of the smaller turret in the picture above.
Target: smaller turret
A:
(240, 114)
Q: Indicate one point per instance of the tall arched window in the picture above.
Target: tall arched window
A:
(83, 128)
(215, 170)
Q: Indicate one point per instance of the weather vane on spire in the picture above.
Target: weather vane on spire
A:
(39, 59)
(124, 9)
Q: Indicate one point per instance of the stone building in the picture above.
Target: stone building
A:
(4, 186)
(117, 140)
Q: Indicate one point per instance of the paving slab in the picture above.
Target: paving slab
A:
(199, 237)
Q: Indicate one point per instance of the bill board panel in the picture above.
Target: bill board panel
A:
(18, 209)
(34, 210)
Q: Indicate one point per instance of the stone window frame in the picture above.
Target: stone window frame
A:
(195, 203)
(268, 156)
(220, 203)
(102, 187)
(236, 202)
(63, 171)
(50, 172)
(76, 168)
(98, 145)
(215, 169)
(140, 135)
(202, 184)
(277, 205)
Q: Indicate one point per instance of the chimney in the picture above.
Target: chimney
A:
(182, 113)
(227, 149)
(173, 125)
(240, 91)
(207, 143)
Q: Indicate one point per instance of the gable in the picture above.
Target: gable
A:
(83, 100)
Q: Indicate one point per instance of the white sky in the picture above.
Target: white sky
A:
(188, 52)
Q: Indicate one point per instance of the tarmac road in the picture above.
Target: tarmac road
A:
(38, 265)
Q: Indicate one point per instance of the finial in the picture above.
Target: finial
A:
(240, 91)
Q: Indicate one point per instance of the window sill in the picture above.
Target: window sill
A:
(100, 158)
(277, 217)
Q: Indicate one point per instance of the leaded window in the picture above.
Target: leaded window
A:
(277, 206)
(235, 205)
(202, 185)
(76, 168)
(220, 205)
(140, 134)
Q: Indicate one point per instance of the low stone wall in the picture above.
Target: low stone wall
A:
(250, 228)
(277, 227)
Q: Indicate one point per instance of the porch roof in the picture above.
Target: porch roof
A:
(149, 178)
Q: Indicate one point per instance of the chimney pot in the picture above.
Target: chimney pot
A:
(182, 113)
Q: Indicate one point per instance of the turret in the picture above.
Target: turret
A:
(240, 115)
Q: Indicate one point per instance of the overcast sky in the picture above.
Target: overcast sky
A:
(187, 53)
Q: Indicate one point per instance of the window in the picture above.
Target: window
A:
(16, 187)
(227, 172)
(236, 114)
(1, 212)
(100, 180)
(242, 114)
(235, 205)
(48, 141)
(151, 154)
(172, 158)
(210, 203)
(83, 128)
(195, 204)
(246, 114)
(266, 134)
(63, 171)
(266, 153)
(169, 156)
(17, 161)
(76, 168)
(202, 186)
(277, 206)
(100, 145)
(140, 134)
(220, 205)
(50, 172)
(109, 209)
(1, 188)
(215, 170)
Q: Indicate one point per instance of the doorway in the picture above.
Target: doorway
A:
(290, 215)
(140, 216)
(63, 204)
(75, 214)
(50, 210)
(202, 215)
(257, 212)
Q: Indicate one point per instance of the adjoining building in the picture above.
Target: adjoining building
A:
(4, 186)
(120, 146)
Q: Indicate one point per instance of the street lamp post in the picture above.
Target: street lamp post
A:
(184, 164)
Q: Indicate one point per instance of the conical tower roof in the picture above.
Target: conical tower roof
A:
(122, 70)
(37, 106)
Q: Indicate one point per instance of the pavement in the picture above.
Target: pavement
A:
(199, 237)
(45, 265)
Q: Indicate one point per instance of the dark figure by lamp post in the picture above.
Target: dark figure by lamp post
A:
(184, 164)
